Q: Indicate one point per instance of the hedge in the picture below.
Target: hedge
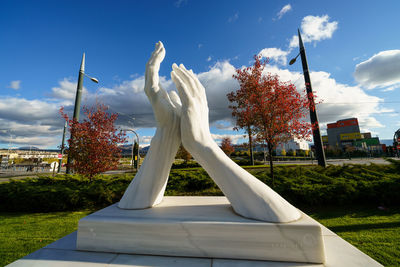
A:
(302, 186)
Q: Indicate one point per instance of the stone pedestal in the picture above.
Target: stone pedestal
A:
(199, 227)
(64, 252)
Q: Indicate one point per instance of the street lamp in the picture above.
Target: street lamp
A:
(62, 146)
(78, 98)
(396, 142)
(133, 149)
(313, 112)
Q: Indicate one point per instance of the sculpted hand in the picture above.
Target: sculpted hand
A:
(195, 130)
(248, 196)
(166, 106)
(148, 186)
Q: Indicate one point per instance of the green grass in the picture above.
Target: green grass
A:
(373, 231)
(22, 233)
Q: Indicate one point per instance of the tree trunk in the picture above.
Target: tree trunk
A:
(251, 145)
(271, 165)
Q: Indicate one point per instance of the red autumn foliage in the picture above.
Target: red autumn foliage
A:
(226, 146)
(94, 148)
(241, 107)
(274, 109)
(183, 154)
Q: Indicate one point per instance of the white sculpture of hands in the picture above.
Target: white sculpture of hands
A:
(248, 196)
(147, 188)
(189, 120)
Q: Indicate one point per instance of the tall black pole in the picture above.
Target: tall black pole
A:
(77, 108)
(313, 112)
(62, 147)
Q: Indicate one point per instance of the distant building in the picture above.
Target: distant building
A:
(294, 144)
(343, 132)
(28, 154)
(370, 144)
(346, 133)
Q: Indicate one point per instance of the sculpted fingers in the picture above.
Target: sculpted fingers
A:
(157, 56)
(183, 74)
(182, 88)
(175, 100)
(152, 67)
(200, 88)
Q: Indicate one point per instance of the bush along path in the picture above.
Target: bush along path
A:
(303, 186)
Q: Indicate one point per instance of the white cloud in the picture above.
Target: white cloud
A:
(381, 70)
(234, 17)
(218, 82)
(391, 88)
(284, 10)
(66, 90)
(29, 133)
(276, 54)
(336, 97)
(38, 141)
(39, 119)
(145, 140)
(180, 3)
(315, 28)
(294, 42)
(15, 85)
(23, 110)
(209, 58)
(234, 137)
(223, 125)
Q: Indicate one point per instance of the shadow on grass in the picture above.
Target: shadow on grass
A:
(47, 215)
(331, 212)
(365, 226)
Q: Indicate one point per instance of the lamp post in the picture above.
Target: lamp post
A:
(62, 146)
(396, 142)
(313, 112)
(78, 98)
(133, 149)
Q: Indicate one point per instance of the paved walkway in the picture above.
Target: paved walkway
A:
(6, 176)
(339, 161)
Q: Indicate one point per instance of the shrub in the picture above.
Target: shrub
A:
(60, 193)
(302, 186)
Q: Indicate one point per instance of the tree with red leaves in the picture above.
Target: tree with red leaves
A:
(94, 148)
(226, 146)
(241, 107)
(275, 110)
(183, 154)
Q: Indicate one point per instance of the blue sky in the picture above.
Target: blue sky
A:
(352, 49)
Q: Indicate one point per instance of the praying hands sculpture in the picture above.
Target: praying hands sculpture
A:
(184, 118)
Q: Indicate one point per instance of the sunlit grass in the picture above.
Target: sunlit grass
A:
(22, 233)
(373, 231)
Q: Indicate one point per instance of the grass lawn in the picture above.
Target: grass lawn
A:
(22, 233)
(375, 232)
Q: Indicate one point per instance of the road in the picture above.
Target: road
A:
(6, 176)
(339, 161)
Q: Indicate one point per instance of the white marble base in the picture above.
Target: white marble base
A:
(199, 227)
(63, 252)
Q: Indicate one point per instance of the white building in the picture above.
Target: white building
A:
(293, 144)
(26, 154)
